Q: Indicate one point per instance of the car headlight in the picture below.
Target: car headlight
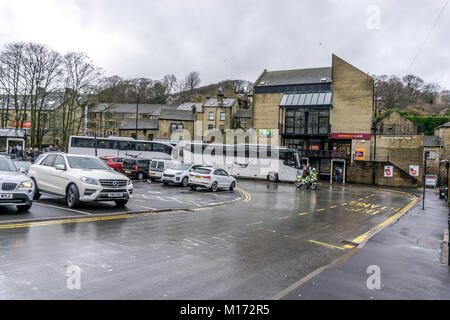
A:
(128, 182)
(26, 185)
(88, 180)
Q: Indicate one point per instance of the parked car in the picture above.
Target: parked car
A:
(16, 188)
(157, 167)
(179, 174)
(136, 168)
(79, 179)
(212, 179)
(23, 165)
(116, 163)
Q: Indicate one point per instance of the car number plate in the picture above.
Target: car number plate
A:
(6, 195)
(153, 174)
(127, 171)
(197, 177)
(115, 194)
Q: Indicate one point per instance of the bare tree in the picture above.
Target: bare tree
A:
(79, 81)
(191, 81)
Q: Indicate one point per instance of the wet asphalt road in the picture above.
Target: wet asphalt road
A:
(249, 249)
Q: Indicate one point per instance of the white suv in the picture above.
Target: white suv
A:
(212, 179)
(79, 179)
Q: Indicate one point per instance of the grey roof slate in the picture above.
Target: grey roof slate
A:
(181, 115)
(130, 124)
(431, 141)
(153, 109)
(298, 76)
(243, 113)
(213, 102)
(190, 105)
(445, 125)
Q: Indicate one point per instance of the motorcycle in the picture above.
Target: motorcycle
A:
(310, 181)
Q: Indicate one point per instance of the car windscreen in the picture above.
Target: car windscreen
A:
(86, 163)
(7, 165)
(182, 167)
(202, 171)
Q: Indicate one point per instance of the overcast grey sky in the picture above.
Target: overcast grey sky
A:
(238, 39)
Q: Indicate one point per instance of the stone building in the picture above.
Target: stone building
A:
(106, 119)
(326, 112)
(394, 123)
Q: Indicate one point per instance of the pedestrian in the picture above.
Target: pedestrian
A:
(35, 154)
(337, 174)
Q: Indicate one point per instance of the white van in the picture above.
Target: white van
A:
(157, 167)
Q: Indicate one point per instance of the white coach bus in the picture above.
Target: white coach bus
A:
(119, 147)
(244, 160)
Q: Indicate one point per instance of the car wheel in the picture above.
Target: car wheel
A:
(121, 203)
(272, 177)
(140, 176)
(165, 183)
(23, 208)
(214, 187)
(184, 182)
(36, 194)
(72, 196)
(232, 186)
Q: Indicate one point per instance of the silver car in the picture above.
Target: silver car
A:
(16, 188)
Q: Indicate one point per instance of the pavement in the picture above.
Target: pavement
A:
(253, 248)
(402, 261)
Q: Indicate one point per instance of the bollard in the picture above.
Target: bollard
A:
(448, 241)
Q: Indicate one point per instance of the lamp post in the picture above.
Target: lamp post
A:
(137, 110)
(374, 130)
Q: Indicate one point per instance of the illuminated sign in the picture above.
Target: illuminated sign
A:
(351, 136)
(360, 153)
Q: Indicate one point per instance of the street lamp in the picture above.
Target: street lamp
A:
(137, 110)
(374, 130)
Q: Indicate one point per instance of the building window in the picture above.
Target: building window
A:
(222, 116)
(180, 126)
(307, 122)
(210, 126)
(243, 120)
(211, 116)
(173, 127)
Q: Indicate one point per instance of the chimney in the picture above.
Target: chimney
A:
(220, 97)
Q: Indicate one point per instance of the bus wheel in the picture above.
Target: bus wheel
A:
(272, 177)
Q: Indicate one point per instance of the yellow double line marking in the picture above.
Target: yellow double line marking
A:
(327, 245)
(247, 196)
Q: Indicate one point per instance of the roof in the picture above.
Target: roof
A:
(180, 115)
(243, 113)
(307, 99)
(190, 106)
(12, 132)
(213, 102)
(445, 125)
(431, 141)
(143, 124)
(298, 76)
(51, 101)
(153, 109)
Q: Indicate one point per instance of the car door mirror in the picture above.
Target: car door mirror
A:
(22, 170)
(60, 167)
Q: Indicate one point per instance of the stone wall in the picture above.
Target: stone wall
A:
(362, 172)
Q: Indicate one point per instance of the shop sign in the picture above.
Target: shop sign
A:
(414, 171)
(388, 171)
(360, 153)
(351, 136)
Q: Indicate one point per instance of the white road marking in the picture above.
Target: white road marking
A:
(61, 208)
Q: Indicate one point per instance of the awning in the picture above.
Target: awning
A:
(306, 99)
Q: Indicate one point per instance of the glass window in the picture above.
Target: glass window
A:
(49, 161)
(211, 116)
(82, 143)
(283, 100)
(222, 116)
(77, 162)
(323, 124)
(173, 127)
(301, 101)
(60, 160)
(210, 126)
(314, 99)
(289, 100)
(180, 126)
(7, 165)
(296, 99)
